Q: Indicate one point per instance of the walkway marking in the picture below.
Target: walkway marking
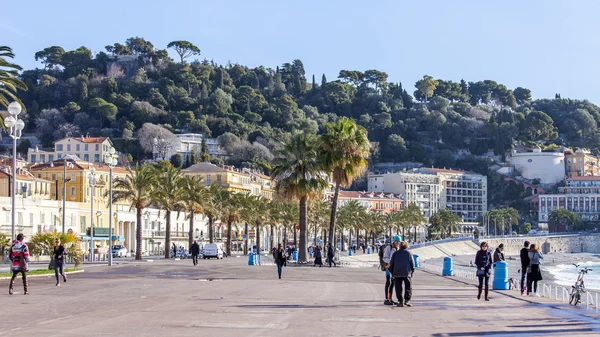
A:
(228, 325)
(362, 320)
(55, 319)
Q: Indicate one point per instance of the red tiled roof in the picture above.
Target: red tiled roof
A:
(584, 178)
(94, 140)
(350, 194)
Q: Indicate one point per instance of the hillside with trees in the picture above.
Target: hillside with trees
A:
(116, 91)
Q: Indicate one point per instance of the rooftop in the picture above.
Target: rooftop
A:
(585, 178)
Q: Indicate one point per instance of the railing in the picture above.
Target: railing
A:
(559, 293)
(435, 242)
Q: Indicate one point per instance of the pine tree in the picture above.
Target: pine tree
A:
(323, 82)
(314, 84)
(203, 148)
(219, 78)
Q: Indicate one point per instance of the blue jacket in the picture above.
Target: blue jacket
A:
(402, 263)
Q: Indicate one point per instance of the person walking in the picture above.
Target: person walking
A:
(19, 258)
(402, 267)
(483, 261)
(498, 253)
(534, 274)
(195, 251)
(330, 256)
(174, 250)
(525, 262)
(280, 260)
(389, 279)
(318, 257)
(59, 261)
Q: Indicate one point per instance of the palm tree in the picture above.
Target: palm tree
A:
(354, 217)
(136, 189)
(9, 81)
(211, 208)
(298, 175)
(255, 210)
(194, 194)
(168, 195)
(345, 150)
(230, 208)
(413, 216)
(318, 213)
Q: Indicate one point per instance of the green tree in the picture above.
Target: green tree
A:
(176, 160)
(136, 189)
(297, 173)
(184, 48)
(10, 83)
(425, 88)
(538, 126)
(413, 217)
(50, 56)
(194, 194)
(168, 196)
(564, 218)
(345, 150)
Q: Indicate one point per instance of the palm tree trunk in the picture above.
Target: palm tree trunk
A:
(272, 237)
(211, 232)
(168, 233)
(325, 238)
(191, 232)
(228, 247)
(246, 241)
(138, 235)
(295, 237)
(258, 240)
(284, 239)
(333, 212)
(357, 237)
(302, 245)
(349, 239)
(342, 239)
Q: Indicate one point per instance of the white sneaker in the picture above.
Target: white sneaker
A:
(536, 295)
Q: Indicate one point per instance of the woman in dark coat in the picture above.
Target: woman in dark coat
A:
(280, 259)
(318, 257)
(483, 261)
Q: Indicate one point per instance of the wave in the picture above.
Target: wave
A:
(566, 274)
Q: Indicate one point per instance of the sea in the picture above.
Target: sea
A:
(566, 274)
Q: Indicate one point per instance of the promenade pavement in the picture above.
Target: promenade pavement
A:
(229, 298)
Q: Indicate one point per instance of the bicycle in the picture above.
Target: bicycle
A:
(578, 289)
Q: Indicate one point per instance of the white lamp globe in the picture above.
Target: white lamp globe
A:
(20, 124)
(10, 121)
(111, 151)
(114, 162)
(14, 108)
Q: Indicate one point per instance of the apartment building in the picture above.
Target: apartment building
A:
(373, 201)
(188, 143)
(432, 189)
(582, 163)
(580, 195)
(89, 149)
(28, 186)
(232, 179)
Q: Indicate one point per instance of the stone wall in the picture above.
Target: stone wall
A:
(586, 243)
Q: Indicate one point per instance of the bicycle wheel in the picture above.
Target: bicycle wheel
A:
(577, 298)
(572, 297)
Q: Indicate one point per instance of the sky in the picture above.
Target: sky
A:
(547, 46)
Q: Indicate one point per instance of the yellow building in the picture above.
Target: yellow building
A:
(582, 164)
(90, 149)
(232, 179)
(28, 186)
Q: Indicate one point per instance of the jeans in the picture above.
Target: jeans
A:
(330, 259)
(195, 259)
(389, 284)
(58, 268)
(279, 267)
(523, 277)
(407, 288)
(481, 279)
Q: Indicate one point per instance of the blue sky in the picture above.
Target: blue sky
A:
(547, 46)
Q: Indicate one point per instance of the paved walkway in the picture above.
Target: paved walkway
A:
(228, 298)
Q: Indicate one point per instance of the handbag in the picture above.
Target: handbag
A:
(480, 272)
(529, 269)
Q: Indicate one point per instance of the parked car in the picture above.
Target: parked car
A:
(212, 250)
(119, 251)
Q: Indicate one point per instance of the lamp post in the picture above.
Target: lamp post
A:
(111, 161)
(92, 181)
(15, 126)
(64, 204)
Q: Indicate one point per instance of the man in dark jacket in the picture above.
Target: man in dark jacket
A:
(195, 251)
(402, 267)
(524, 264)
(330, 255)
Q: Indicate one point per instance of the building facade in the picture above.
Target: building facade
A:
(548, 167)
(464, 193)
(373, 201)
(580, 195)
(89, 149)
(188, 143)
(582, 164)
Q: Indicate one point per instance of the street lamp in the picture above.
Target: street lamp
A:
(16, 126)
(92, 181)
(111, 161)
(65, 180)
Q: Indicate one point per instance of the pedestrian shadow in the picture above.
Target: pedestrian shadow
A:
(515, 332)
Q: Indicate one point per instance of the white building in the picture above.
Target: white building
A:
(549, 167)
(580, 195)
(90, 149)
(188, 143)
(464, 193)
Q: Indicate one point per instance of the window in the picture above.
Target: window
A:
(82, 224)
(20, 219)
(85, 147)
(33, 159)
(218, 177)
(43, 157)
(97, 147)
(86, 157)
(50, 157)
(59, 147)
(53, 176)
(31, 220)
(208, 179)
(42, 217)
(97, 158)
(72, 191)
(77, 148)
(68, 147)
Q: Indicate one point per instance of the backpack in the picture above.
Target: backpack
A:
(381, 262)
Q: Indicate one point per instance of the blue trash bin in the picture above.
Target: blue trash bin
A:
(500, 276)
(295, 256)
(349, 252)
(251, 259)
(416, 260)
(447, 271)
(369, 250)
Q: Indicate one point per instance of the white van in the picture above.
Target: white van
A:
(212, 250)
